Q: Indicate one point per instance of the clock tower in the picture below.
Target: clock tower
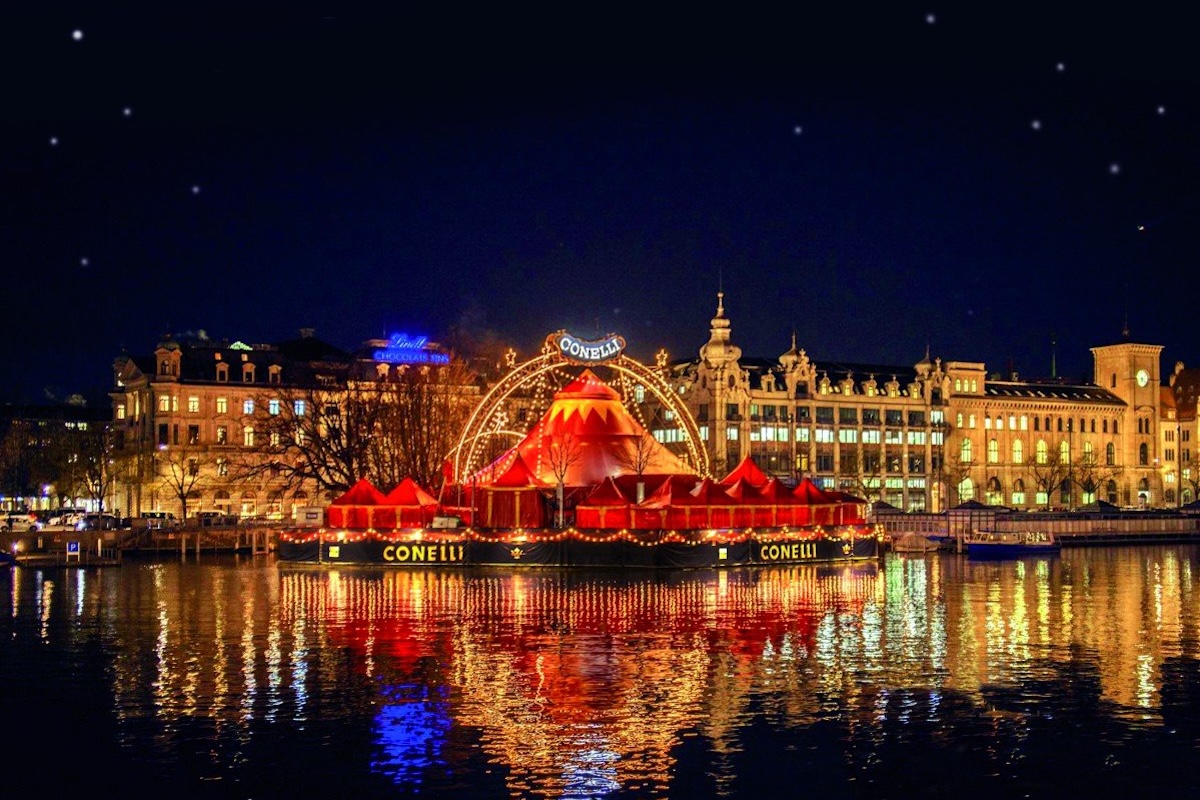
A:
(1131, 372)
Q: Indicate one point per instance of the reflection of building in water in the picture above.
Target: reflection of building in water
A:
(572, 679)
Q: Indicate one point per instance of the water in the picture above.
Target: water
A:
(924, 675)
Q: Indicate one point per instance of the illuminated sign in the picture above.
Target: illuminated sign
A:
(586, 351)
(423, 553)
(794, 551)
(402, 349)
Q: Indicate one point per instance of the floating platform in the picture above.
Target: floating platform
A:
(571, 547)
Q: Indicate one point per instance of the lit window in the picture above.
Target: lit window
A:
(222, 405)
(222, 434)
(1018, 452)
(164, 403)
(273, 407)
(222, 467)
(993, 451)
(120, 411)
(248, 436)
(731, 434)
(247, 406)
(1041, 452)
(1064, 453)
(965, 451)
(193, 405)
(298, 406)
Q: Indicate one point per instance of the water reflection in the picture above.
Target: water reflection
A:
(586, 684)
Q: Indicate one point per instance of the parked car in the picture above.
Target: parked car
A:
(20, 522)
(159, 520)
(215, 519)
(66, 517)
(100, 522)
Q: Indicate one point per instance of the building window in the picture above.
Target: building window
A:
(1018, 493)
(848, 416)
(120, 411)
(1088, 456)
(1041, 452)
(247, 373)
(1110, 454)
(731, 434)
(164, 432)
(825, 415)
(824, 462)
(193, 467)
(893, 416)
(1143, 454)
(273, 407)
(870, 416)
(298, 408)
(222, 467)
(193, 434)
(871, 437)
(1064, 453)
(916, 419)
(824, 435)
(965, 451)
(248, 436)
(164, 403)
(222, 434)
(222, 405)
(1025, 422)
(222, 373)
(848, 435)
(274, 438)
(248, 406)
(993, 452)
(193, 405)
(1018, 452)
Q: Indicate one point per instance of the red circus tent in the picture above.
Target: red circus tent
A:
(821, 505)
(746, 471)
(671, 505)
(589, 423)
(406, 506)
(353, 509)
(720, 508)
(605, 507)
(513, 500)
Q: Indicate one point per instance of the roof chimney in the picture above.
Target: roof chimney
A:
(307, 333)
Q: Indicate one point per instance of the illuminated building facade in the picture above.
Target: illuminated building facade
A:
(937, 433)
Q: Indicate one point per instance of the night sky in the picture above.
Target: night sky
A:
(979, 181)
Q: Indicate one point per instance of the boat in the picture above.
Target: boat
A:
(1008, 544)
(913, 542)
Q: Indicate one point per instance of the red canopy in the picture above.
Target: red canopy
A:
(353, 509)
(405, 506)
(748, 471)
(606, 506)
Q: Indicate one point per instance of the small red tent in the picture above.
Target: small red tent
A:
(406, 506)
(719, 506)
(821, 506)
(746, 471)
(353, 509)
(513, 500)
(605, 507)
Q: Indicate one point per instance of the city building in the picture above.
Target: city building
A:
(937, 433)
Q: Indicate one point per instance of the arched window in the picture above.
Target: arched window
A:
(1143, 454)
(1042, 452)
(993, 455)
(966, 490)
(1064, 452)
(1088, 456)
(965, 451)
(1114, 427)
(249, 505)
(1018, 492)
(1018, 452)
(994, 495)
(1110, 454)
(222, 501)
(1110, 489)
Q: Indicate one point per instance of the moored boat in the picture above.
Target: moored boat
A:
(1007, 544)
(912, 542)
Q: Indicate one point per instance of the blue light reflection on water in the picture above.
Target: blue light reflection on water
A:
(922, 676)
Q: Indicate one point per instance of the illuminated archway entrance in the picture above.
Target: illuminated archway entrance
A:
(562, 350)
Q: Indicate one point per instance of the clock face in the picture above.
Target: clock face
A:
(1143, 377)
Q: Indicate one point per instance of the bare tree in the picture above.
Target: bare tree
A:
(179, 471)
(861, 467)
(1049, 475)
(561, 455)
(383, 429)
(98, 464)
(637, 459)
(1091, 476)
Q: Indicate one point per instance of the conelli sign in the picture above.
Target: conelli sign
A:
(589, 351)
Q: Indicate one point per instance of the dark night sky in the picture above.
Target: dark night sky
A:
(875, 180)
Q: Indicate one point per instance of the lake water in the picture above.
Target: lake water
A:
(919, 676)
